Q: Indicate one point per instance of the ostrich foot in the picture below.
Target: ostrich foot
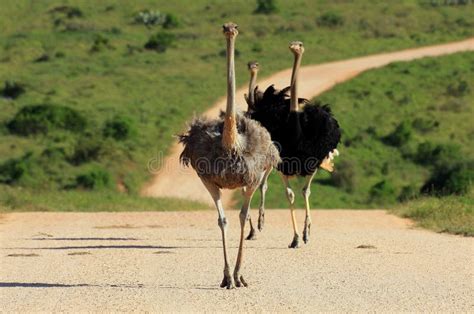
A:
(252, 235)
(227, 282)
(295, 243)
(239, 281)
(306, 231)
(261, 220)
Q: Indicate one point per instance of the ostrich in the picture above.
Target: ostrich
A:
(254, 95)
(228, 153)
(307, 138)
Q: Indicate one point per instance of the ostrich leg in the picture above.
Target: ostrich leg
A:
(244, 211)
(306, 194)
(291, 200)
(261, 209)
(222, 222)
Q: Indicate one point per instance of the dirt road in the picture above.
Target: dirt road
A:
(173, 261)
(174, 181)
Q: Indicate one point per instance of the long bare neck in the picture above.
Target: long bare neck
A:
(229, 136)
(252, 83)
(294, 106)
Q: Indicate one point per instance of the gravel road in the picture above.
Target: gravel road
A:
(172, 261)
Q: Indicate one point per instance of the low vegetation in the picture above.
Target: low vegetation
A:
(451, 214)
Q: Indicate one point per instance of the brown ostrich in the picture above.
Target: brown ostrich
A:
(229, 152)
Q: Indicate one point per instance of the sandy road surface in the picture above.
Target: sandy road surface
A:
(173, 261)
(174, 181)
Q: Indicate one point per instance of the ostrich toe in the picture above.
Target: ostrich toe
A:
(227, 282)
(295, 243)
(252, 234)
(239, 281)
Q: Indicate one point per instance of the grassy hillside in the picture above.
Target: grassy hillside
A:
(402, 124)
(91, 91)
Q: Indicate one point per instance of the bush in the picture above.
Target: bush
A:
(424, 125)
(86, 150)
(160, 42)
(400, 136)
(100, 42)
(266, 7)
(69, 12)
(94, 179)
(171, 21)
(447, 179)
(344, 176)
(43, 118)
(12, 170)
(458, 90)
(330, 19)
(382, 192)
(120, 128)
(12, 90)
(150, 18)
(408, 192)
(437, 155)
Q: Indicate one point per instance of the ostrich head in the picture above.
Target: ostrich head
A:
(253, 66)
(297, 47)
(230, 30)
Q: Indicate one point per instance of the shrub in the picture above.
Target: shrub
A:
(12, 90)
(100, 42)
(43, 118)
(266, 7)
(407, 193)
(94, 179)
(160, 42)
(382, 192)
(400, 136)
(458, 90)
(424, 125)
(150, 18)
(69, 12)
(437, 155)
(171, 21)
(12, 170)
(86, 150)
(454, 178)
(119, 128)
(344, 176)
(330, 19)
(454, 105)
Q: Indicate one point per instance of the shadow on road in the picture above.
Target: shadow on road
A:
(84, 239)
(60, 285)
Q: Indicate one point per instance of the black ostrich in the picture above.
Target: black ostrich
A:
(307, 137)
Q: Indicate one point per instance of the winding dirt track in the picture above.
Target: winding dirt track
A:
(175, 181)
(172, 261)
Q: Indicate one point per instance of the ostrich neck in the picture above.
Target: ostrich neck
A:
(229, 134)
(294, 83)
(230, 109)
(253, 82)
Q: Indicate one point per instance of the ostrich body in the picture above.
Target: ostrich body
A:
(307, 137)
(229, 152)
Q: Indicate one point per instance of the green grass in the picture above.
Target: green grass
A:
(95, 63)
(23, 200)
(451, 214)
